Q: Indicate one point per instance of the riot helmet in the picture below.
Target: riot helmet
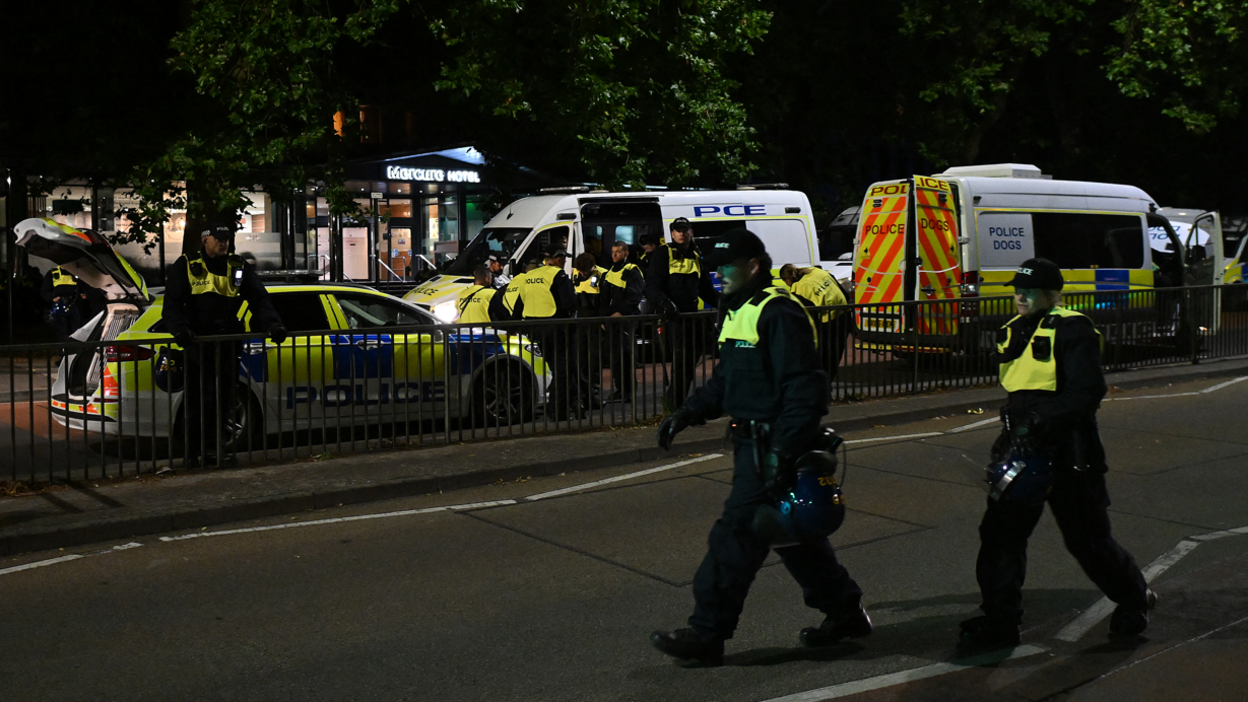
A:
(811, 510)
(1021, 479)
(168, 371)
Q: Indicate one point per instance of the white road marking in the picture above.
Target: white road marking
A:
(340, 520)
(976, 425)
(895, 438)
(928, 671)
(1193, 393)
(1228, 383)
(1076, 629)
(65, 559)
(618, 478)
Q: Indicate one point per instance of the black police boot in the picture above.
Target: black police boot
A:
(690, 646)
(832, 631)
(1132, 621)
(986, 633)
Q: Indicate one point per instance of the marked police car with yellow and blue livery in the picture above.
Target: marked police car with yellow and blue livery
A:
(356, 356)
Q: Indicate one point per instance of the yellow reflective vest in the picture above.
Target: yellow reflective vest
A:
(204, 281)
(473, 304)
(62, 278)
(1036, 367)
(593, 284)
(740, 326)
(818, 286)
(535, 291)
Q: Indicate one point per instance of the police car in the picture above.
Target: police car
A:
(356, 356)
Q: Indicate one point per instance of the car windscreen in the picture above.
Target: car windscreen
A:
(499, 241)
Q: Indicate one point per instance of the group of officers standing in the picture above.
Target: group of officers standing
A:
(668, 279)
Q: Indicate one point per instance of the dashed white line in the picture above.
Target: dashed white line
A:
(896, 438)
(618, 478)
(64, 559)
(340, 520)
(928, 671)
(976, 425)
(1076, 629)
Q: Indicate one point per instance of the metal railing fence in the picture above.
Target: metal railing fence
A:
(134, 404)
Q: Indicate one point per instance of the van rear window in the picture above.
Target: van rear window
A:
(1084, 240)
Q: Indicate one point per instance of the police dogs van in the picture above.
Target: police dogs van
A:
(962, 233)
(593, 221)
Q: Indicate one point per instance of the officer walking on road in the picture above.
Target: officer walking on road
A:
(768, 380)
(547, 293)
(818, 288)
(1050, 364)
(675, 278)
(203, 296)
(623, 287)
(474, 301)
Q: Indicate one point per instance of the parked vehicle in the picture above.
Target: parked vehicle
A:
(593, 221)
(357, 356)
(962, 233)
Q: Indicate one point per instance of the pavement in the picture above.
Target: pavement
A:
(95, 511)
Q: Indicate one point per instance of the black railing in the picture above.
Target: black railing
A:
(127, 405)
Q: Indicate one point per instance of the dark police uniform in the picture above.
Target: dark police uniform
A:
(203, 296)
(547, 293)
(623, 287)
(66, 313)
(1051, 367)
(676, 278)
(768, 380)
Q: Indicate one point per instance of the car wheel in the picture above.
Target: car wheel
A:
(244, 423)
(503, 395)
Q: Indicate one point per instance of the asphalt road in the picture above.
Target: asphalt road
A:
(538, 596)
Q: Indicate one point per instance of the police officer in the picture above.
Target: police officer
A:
(503, 304)
(623, 287)
(474, 301)
(768, 380)
(61, 289)
(203, 296)
(816, 287)
(587, 278)
(501, 279)
(547, 293)
(675, 278)
(1050, 364)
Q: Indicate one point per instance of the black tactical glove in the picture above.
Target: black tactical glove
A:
(668, 311)
(277, 333)
(1027, 435)
(184, 338)
(675, 423)
(778, 473)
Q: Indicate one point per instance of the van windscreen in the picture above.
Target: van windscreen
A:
(1075, 240)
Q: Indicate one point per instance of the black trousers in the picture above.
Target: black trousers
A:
(734, 556)
(622, 342)
(568, 388)
(211, 377)
(685, 342)
(1080, 506)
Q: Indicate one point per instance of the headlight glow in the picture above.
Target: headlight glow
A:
(446, 312)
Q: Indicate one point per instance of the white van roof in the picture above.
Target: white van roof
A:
(528, 212)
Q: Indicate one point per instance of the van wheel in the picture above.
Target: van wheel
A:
(502, 395)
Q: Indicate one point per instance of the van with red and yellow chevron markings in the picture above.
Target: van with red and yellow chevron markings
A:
(962, 233)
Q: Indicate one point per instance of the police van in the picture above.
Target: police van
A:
(962, 233)
(594, 220)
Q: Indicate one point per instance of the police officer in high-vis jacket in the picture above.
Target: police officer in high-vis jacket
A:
(769, 381)
(61, 289)
(473, 302)
(676, 279)
(1050, 364)
(203, 296)
(547, 292)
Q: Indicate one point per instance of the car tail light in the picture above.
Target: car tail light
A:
(122, 354)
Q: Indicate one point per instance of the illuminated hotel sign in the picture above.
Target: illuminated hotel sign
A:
(432, 175)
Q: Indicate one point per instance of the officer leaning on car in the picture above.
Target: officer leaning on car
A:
(769, 381)
(1049, 451)
(203, 296)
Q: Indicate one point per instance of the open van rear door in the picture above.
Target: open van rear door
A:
(908, 249)
(880, 256)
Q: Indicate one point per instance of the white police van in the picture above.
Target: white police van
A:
(594, 220)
